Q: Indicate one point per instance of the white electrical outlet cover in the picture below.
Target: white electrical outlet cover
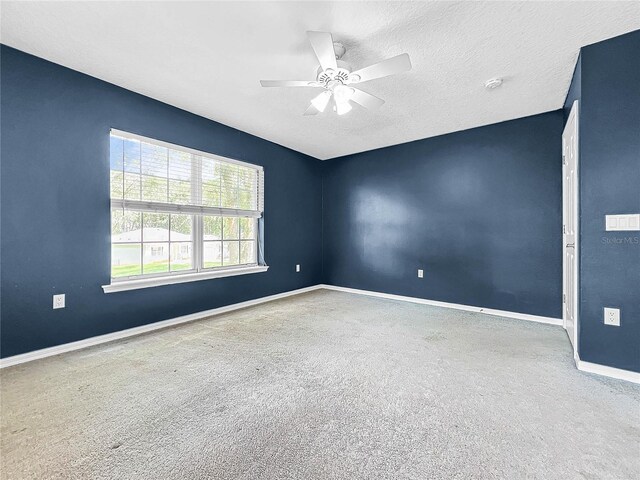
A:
(297, 268)
(420, 273)
(612, 316)
(59, 301)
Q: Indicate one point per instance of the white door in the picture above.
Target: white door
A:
(570, 226)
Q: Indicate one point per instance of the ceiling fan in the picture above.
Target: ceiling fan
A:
(336, 78)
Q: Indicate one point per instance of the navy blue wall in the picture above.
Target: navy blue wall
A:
(55, 207)
(609, 184)
(480, 211)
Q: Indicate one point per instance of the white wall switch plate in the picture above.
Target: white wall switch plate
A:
(58, 301)
(297, 268)
(420, 273)
(622, 222)
(612, 316)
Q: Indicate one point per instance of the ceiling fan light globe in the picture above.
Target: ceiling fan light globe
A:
(321, 101)
(343, 107)
(342, 93)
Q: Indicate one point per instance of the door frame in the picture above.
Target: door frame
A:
(576, 214)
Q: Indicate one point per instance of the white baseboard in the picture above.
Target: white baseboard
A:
(130, 332)
(620, 374)
(468, 308)
(110, 337)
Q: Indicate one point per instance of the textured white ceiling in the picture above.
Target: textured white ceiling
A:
(208, 58)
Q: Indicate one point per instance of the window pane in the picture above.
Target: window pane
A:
(131, 156)
(126, 259)
(131, 186)
(117, 184)
(212, 254)
(154, 189)
(245, 200)
(210, 170)
(156, 227)
(247, 252)
(230, 228)
(125, 226)
(230, 253)
(154, 160)
(247, 227)
(179, 191)
(181, 226)
(212, 228)
(181, 256)
(247, 178)
(179, 165)
(155, 257)
(229, 178)
(116, 153)
(211, 193)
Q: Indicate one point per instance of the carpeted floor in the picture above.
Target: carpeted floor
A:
(322, 385)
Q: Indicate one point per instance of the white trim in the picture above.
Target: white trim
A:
(618, 373)
(173, 146)
(468, 308)
(123, 285)
(130, 332)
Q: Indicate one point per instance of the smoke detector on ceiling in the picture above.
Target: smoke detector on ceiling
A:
(493, 83)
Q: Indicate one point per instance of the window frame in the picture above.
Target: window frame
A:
(197, 212)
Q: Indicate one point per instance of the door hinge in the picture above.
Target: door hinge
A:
(564, 298)
(564, 229)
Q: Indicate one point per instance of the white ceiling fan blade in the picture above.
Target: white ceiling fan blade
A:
(322, 44)
(390, 66)
(368, 101)
(311, 111)
(288, 83)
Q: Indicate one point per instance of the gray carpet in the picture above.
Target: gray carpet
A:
(322, 385)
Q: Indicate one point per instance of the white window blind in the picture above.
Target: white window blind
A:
(150, 175)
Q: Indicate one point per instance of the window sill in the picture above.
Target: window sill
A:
(136, 284)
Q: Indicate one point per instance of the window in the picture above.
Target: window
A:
(179, 214)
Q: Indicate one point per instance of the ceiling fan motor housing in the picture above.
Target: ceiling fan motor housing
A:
(342, 74)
